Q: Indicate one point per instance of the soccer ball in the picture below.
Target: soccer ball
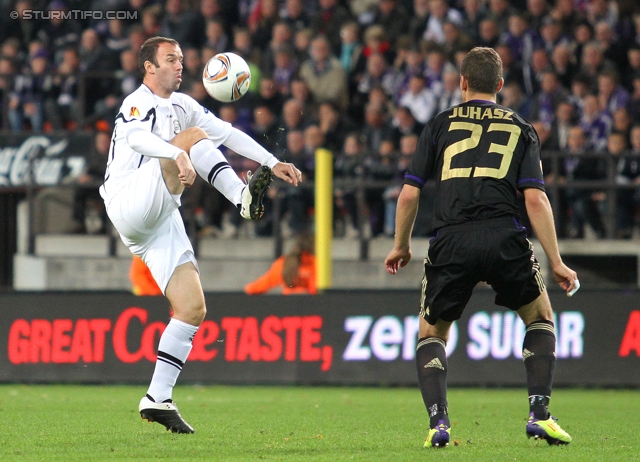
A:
(226, 77)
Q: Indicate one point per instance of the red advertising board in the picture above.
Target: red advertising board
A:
(354, 337)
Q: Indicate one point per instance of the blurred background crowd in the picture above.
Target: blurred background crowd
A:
(360, 78)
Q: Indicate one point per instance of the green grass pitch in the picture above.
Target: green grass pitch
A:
(69, 422)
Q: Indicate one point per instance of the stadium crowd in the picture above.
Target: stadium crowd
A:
(358, 77)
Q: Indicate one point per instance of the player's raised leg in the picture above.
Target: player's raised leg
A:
(539, 355)
(184, 291)
(431, 363)
(213, 167)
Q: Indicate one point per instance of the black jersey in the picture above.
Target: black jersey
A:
(480, 154)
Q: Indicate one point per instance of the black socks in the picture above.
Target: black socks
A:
(431, 363)
(539, 357)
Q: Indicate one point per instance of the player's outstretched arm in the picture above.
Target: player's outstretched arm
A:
(541, 217)
(406, 212)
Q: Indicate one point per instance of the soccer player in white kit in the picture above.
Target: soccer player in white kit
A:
(161, 140)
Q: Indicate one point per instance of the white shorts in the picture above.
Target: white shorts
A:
(146, 215)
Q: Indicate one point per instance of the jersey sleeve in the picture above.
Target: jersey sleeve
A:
(135, 122)
(530, 174)
(423, 160)
(217, 129)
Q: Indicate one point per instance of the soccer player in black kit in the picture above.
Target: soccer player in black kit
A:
(480, 154)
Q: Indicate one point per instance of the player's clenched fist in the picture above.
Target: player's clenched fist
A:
(187, 173)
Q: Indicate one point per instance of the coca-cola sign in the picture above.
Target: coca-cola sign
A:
(54, 159)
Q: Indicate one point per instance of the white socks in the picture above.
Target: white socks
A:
(212, 166)
(173, 350)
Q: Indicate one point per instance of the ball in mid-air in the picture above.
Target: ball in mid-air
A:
(226, 77)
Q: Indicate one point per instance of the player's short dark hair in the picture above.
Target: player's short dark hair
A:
(149, 51)
(482, 68)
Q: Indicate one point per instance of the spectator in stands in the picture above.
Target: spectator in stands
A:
(546, 101)
(611, 95)
(563, 64)
(89, 215)
(7, 71)
(62, 107)
(116, 40)
(26, 101)
(128, 79)
(454, 40)
(521, 39)
(627, 170)
(350, 54)
(281, 37)
(488, 33)
(512, 72)
(151, 18)
(593, 63)
(472, 15)
(500, 11)
(265, 127)
(137, 36)
(595, 123)
(376, 129)
(514, 98)
(381, 167)
(451, 94)
(622, 122)
(302, 94)
(323, 73)
(328, 21)
(294, 273)
(180, 24)
(215, 35)
(408, 145)
(268, 94)
(404, 124)
(192, 68)
(334, 126)
(612, 49)
(284, 69)
(601, 10)
(565, 12)
(301, 45)
(261, 23)
(96, 60)
(583, 203)
(291, 119)
(57, 33)
(551, 34)
(23, 30)
(537, 12)
(378, 74)
(633, 59)
(421, 101)
(297, 202)
(559, 130)
(294, 150)
(295, 15)
(437, 65)
(392, 16)
(418, 20)
(439, 13)
(348, 166)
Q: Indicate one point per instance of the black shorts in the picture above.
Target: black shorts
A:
(496, 251)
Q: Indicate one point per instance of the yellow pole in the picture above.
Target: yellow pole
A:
(324, 216)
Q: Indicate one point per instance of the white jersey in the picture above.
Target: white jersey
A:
(143, 113)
